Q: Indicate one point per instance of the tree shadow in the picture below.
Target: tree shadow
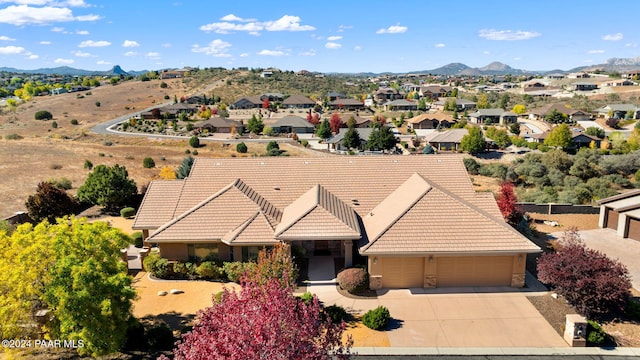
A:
(176, 321)
(394, 324)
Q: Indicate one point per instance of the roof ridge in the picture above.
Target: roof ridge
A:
(264, 204)
(341, 207)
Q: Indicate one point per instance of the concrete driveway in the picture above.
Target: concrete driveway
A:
(446, 318)
(627, 251)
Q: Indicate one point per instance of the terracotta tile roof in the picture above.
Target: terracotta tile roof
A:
(298, 100)
(430, 116)
(447, 136)
(159, 204)
(257, 230)
(318, 214)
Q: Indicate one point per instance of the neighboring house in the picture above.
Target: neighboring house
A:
(277, 97)
(346, 104)
(58, 91)
(430, 121)
(176, 109)
(578, 138)
(572, 114)
(173, 74)
(248, 102)
(360, 121)
(493, 116)
(417, 220)
(386, 94)
(622, 214)
(446, 140)
(401, 105)
(618, 111)
(266, 74)
(293, 124)
(220, 125)
(585, 86)
(335, 142)
(335, 96)
(434, 92)
(298, 102)
(461, 104)
(633, 74)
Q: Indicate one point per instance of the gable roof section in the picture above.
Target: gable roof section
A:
(626, 195)
(298, 100)
(318, 215)
(293, 121)
(257, 230)
(159, 204)
(447, 136)
(225, 210)
(438, 221)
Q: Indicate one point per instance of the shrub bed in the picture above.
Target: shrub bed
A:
(377, 318)
(353, 280)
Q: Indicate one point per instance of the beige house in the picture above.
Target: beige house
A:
(417, 220)
(622, 214)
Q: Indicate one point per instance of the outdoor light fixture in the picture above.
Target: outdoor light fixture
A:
(375, 259)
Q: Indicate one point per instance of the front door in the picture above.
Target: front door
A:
(321, 248)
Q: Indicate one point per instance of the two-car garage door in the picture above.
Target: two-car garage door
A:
(450, 271)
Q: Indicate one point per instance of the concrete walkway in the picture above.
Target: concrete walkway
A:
(627, 251)
(445, 318)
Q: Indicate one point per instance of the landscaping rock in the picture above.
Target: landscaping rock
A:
(176, 291)
(162, 293)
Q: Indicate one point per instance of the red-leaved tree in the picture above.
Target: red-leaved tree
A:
(507, 200)
(590, 281)
(335, 122)
(265, 103)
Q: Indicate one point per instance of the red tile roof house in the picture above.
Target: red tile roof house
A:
(417, 220)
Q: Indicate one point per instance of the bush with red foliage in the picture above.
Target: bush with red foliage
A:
(590, 281)
(353, 279)
(335, 123)
(507, 200)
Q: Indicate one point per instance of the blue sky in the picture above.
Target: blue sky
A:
(326, 36)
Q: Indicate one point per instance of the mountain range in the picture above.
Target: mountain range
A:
(494, 68)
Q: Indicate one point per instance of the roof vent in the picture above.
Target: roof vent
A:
(350, 161)
(395, 160)
(306, 163)
(276, 188)
(218, 164)
(261, 162)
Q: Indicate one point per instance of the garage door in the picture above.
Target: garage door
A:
(634, 229)
(612, 219)
(399, 273)
(474, 271)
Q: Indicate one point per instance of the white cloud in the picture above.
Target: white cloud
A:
(91, 43)
(613, 37)
(102, 62)
(357, 48)
(130, 43)
(24, 14)
(334, 38)
(272, 53)
(595, 52)
(57, 29)
(6, 38)
(63, 61)
(82, 32)
(82, 54)
(393, 29)
(440, 45)
(486, 53)
(45, 42)
(342, 28)
(631, 45)
(332, 45)
(153, 55)
(11, 50)
(310, 52)
(244, 55)
(33, 57)
(507, 35)
(130, 53)
(233, 23)
(216, 48)
(166, 45)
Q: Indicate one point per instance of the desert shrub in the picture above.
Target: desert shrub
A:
(272, 145)
(194, 152)
(353, 280)
(241, 148)
(61, 183)
(148, 163)
(473, 167)
(98, 103)
(209, 270)
(54, 124)
(55, 166)
(127, 212)
(590, 281)
(74, 122)
(107, 143)
(13, 137)
(273, 152)
(156, 265)
(377, 318)
(235, 270)
(160, 337)
(633, 309)
(495, 170)
(304, 143)
(336, 313)
(88, 165)
(194, 142)
(166, 97)
(595, 334)
(306, 298)
(43, 115)
(137, 239)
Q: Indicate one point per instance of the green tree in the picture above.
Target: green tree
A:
(74, 270)
(241, 148)
(148, 163)
(43, 115)
(560, 137)
(351, 138)
(556, 117)
(483, 101)
(515, 128)
(473, 142)
(595, 131)
(185, 167)
(381, 138)
(255, 124)
(324, 130)
(504, 101)
(49, 202)
(519, 109)
(109, 187)
(194, 142)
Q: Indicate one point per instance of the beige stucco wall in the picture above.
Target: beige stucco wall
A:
(173, 251)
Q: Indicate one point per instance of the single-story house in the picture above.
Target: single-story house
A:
(493, 116)
(220, 125)
(424, 226)
(400, 105)
(335, 142)
(585, 86)
(618, 111)
(434, 92)
(579, 139)
(621, 213)
(572, 114)
(247, 102)
(385, 94)
(430, 121)
(346, 104)
(446, 140)
(461, 104)
(293, 124)
(360, 122)
(298, 102)
(331, 96)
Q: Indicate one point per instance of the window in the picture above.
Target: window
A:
(250, 253)
(203, 251)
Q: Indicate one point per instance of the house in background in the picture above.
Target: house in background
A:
(446, 140)
(493, 116)
(430, 121)
(572, 114)
(360, 122)
(346, 104)
(622, 214)
(293, 124)
(247, 102)
(298, 102)
(579, 139)
(400, 105)
(220, 125)
(425, 227)
(618, 111)
(335, 142)
(461, 104)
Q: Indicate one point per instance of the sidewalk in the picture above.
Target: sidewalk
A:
(500, 351)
